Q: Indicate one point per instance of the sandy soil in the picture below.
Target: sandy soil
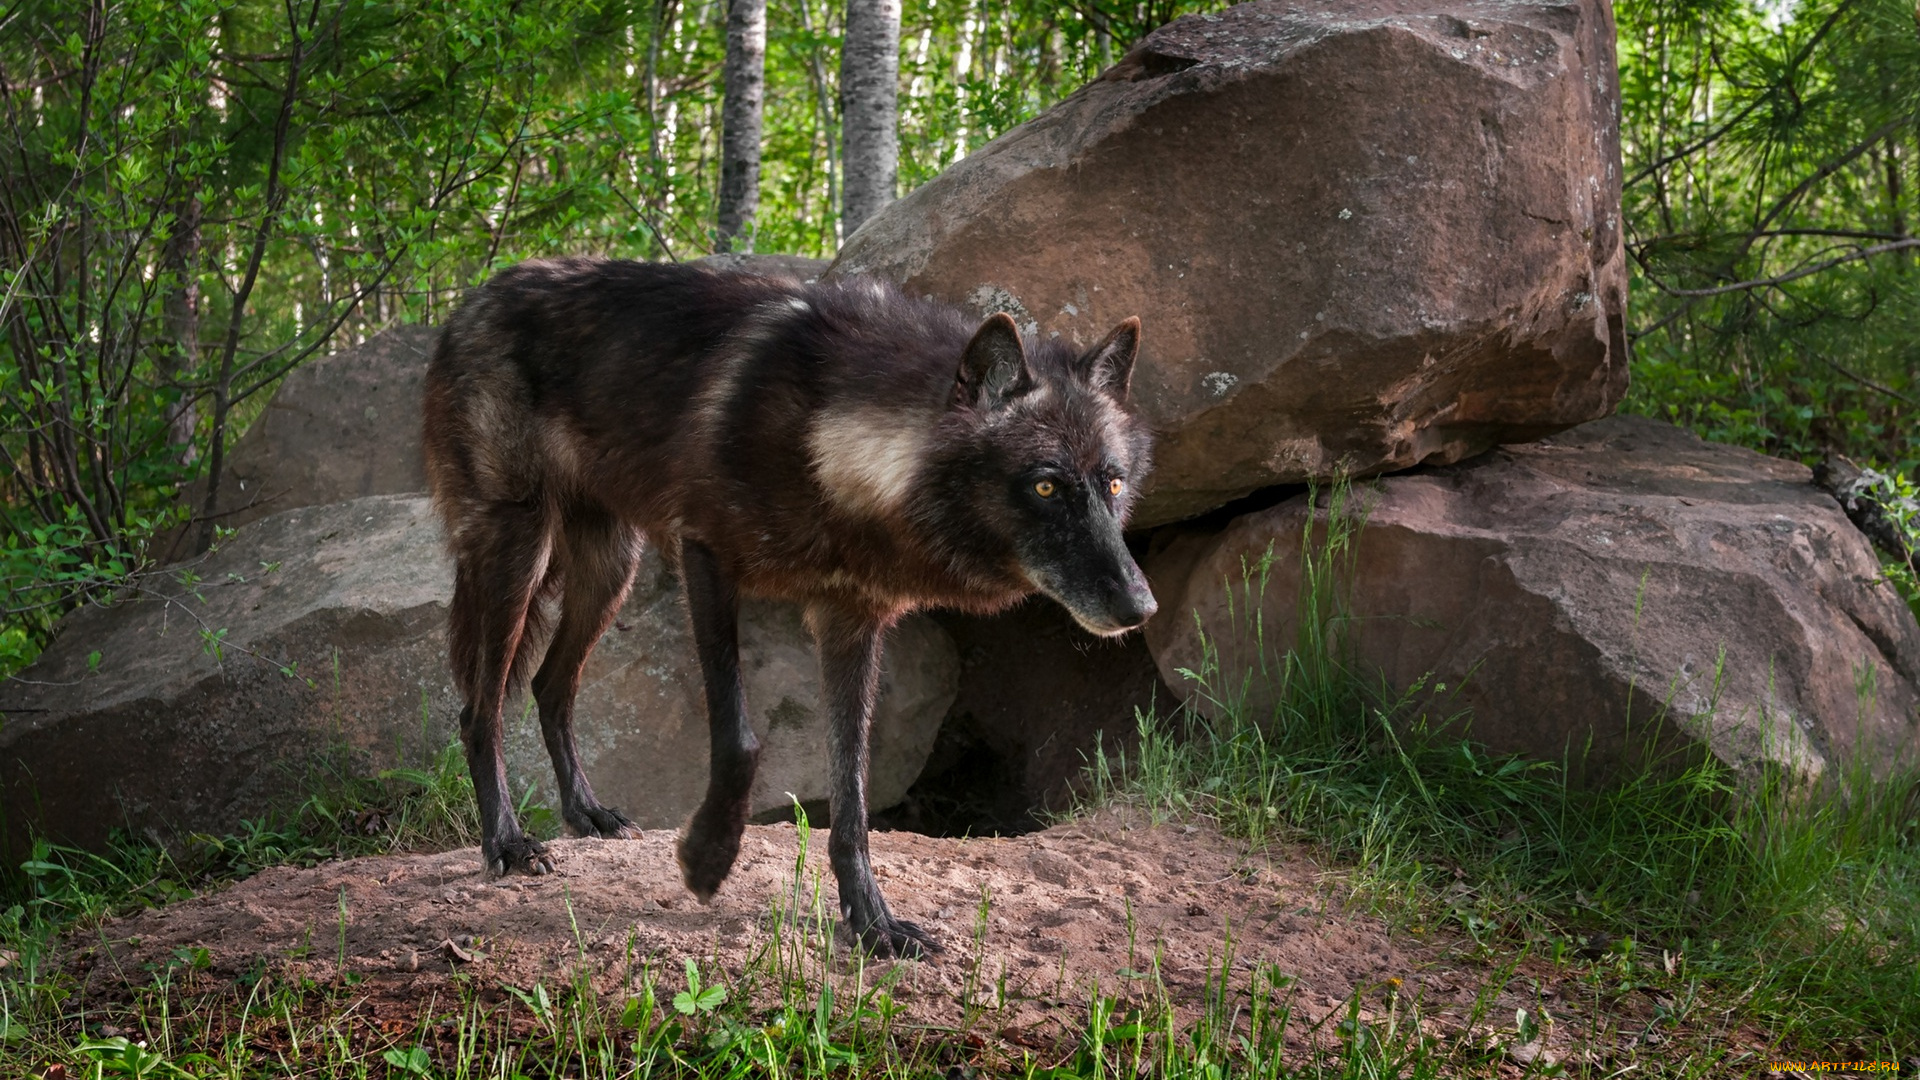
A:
(1056, 927)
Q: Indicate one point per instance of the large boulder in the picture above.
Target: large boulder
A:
(199, 700)
(1620, 582)
(1361, 234)
(342, 426)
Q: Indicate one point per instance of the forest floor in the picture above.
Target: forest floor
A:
(1108, 912)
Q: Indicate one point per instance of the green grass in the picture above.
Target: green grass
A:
(1798, 909)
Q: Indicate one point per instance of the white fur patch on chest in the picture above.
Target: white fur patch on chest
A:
(866, 459)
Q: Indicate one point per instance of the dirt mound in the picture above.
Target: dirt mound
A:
(1031, 925)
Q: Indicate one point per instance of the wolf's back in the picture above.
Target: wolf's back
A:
(554, 364)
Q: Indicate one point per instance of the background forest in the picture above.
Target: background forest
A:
(198, 195)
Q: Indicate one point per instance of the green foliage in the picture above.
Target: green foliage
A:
(1898, 499)
(118, 1057)
(1795, 906)
(201, 195)
(695, 999)
(43, 565)
(411, 1062)
(1770, 185)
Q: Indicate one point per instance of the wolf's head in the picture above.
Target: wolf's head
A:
(1043, 447)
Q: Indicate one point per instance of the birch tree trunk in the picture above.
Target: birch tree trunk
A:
(869, 109)
(740, 120)
(824, 100)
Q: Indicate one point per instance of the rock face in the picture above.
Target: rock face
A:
(1588, 584)
(172, 733)
(1361, 234)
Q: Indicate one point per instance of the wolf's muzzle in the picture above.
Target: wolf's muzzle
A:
(1133, 607)
(1116, 605)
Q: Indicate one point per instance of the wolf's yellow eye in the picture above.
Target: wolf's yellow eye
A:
(1114, 485)
(1044, 489)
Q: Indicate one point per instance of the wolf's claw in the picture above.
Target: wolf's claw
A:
(888, 937)
(520, 853)
(604, 822)
(897, 937)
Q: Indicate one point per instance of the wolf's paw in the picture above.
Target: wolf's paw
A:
(602, 821)
(890, 937)
(516, 854)
(706, 858)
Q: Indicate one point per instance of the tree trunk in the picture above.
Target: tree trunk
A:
(180, 257)
(272, 204)
(825, 98)
(740, 117)
(869, 106)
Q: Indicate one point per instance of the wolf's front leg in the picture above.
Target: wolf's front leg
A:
(850, 678)
(711, 840)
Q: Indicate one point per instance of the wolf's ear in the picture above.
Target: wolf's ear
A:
(994, 367)
(1108, 366)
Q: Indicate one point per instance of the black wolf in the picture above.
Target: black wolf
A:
(835, 444)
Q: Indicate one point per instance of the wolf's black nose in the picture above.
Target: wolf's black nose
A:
(1133, 607)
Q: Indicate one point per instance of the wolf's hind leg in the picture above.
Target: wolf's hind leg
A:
(850, 645)
(597, 557)
(712, 838)
(502, 550)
